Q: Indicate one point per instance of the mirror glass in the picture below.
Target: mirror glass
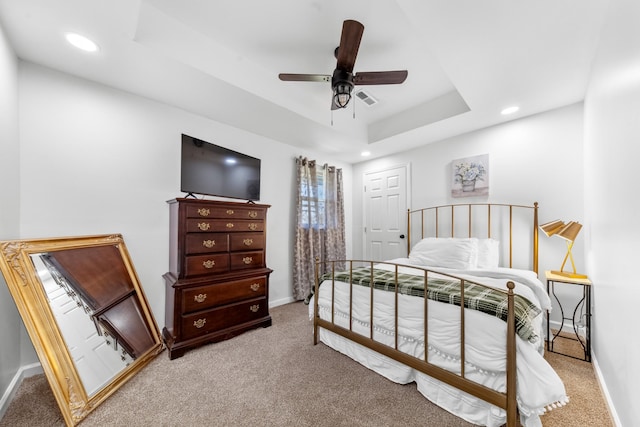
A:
(85, 312)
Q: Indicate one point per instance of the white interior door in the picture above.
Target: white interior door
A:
(385, 211)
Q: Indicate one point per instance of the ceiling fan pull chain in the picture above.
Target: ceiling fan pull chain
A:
(331, 117)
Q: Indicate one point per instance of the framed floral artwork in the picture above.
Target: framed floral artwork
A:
(470, 176)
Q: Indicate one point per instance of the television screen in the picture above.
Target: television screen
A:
(212, 170)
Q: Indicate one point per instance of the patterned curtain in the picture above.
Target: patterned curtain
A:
(319, 222)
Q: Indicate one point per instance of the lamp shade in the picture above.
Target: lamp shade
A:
(551, 228)
(570, 231)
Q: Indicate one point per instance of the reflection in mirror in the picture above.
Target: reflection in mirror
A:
(93, 301)
(85, 312)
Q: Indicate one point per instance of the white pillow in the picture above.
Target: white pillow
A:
(445, 252)
(488, 253)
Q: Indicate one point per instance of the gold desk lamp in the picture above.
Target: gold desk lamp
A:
(568, 232)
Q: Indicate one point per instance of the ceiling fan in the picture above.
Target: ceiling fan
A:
(343, 79)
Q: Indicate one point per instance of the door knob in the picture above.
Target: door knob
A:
(402, 236)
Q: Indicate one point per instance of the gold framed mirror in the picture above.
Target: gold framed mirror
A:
(85, 312)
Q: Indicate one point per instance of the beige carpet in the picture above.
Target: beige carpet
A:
(276, 377)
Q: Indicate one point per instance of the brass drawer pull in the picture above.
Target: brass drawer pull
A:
(247, 260)
(229, 225)
(248, 242)
(253, 226)
(230, 212)
(200, 297)
(204, 226)
(199, 323)
(208, 243)
(255, 287)
(255, 308)
(203, 212)
(208, 263)
(253, 214)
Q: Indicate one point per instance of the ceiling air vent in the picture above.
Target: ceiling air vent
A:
(366, 98)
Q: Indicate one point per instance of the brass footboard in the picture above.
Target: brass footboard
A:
(506, 400)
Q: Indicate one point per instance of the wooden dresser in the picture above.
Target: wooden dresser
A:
(218, 283)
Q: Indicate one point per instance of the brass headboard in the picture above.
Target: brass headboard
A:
(444, 221)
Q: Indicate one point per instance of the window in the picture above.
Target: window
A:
(312, 201)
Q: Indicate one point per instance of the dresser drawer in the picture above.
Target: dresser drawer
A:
(196, 265)
(242, 260)
(231, 225)
(207, 296)
(224, 212)
(216, 319)
(199, 211)
(200, 243)
(246, 241)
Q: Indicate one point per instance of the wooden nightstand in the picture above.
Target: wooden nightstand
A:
(583, 305)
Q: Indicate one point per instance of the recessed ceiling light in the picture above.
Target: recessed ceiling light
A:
(81, 42)
(230, 161)
(509, 110)
(365, 153)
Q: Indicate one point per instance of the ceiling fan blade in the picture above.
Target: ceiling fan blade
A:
(349, 44)
(304, 77)
(380, 77)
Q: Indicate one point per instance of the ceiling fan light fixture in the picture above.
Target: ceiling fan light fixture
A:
(342, 84)
(342, 94)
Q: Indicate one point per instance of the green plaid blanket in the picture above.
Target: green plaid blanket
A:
(447, 290)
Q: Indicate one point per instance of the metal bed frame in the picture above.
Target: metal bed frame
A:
(505, 400)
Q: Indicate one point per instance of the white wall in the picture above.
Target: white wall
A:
(98, 160)
(537, 158)
(612, 150)
(11, 330)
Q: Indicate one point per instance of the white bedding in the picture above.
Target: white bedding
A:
(538, 386)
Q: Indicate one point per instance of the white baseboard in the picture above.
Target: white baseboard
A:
(24, 372)
(281, 301)
(599, 377)
(566, 328)
(605, 391)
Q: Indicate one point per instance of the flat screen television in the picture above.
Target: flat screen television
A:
(209, 169)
